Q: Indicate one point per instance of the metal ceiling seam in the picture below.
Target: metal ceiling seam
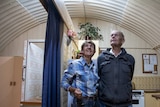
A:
(71, 2)
(137, 29)
(84, 10)
(118, 1)
(99, 13)
(15, 31)
(144, 33)
(137, 15)
(146, 24)
(74, 5)
(28, 2)
(74, 12)
(140, 27)
(140, 34)
(81, 15)
(117, 14)
(4, 2)
(43, 20)
(154, 11)
(145, 29)
(151, 4)
(144, 16)
(17, 20)
(105, 9)
(13, 37)
(15, 26)
(105, 6)
(35, 8)
(112, 2)
(17, 14)
(109, 19)
(87, 8)
(7, 5)
(129, 21)
(76, 8)
(37, 15)
(32, 7)
(9, 11)
(148, 14)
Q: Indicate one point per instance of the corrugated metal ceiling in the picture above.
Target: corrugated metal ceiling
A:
(138, 16)
(18, 16)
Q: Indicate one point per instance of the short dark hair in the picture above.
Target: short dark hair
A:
(90, 42)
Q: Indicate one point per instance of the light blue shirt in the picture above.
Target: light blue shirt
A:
(81, 75)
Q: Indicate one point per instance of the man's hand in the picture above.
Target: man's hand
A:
(78, 93)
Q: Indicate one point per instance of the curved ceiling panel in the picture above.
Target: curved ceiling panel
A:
(140, 17)
(16, 17)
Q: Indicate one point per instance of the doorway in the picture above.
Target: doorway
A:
(32, 70)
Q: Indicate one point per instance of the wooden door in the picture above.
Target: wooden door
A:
(10, 81)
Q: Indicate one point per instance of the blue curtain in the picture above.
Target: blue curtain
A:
(52, 60)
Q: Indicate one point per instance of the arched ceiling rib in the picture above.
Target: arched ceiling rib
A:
(138, 16)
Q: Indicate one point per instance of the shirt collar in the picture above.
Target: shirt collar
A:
(83, 61)
(111, 51)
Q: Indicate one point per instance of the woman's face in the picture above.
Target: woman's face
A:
(88, 50)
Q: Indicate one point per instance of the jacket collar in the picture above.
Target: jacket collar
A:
(110, 55)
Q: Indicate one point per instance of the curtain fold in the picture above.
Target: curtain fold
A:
(52, 60)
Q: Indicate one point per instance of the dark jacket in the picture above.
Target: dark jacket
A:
(115, 78)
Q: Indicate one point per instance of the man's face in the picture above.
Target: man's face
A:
(116, 39)
(88, 50)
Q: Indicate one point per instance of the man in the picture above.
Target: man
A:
(115, 69)
(80, 78)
